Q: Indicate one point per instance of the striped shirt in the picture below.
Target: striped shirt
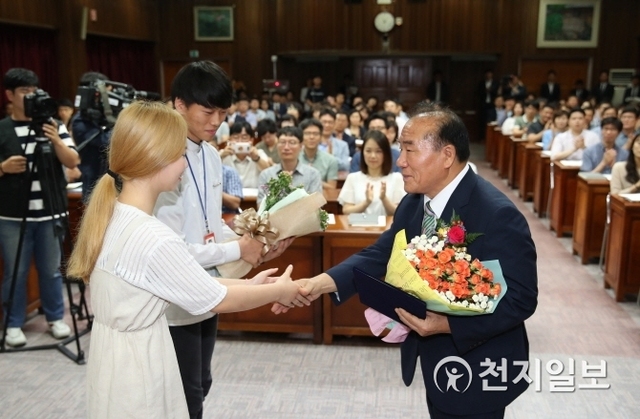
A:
(156, 259)
(37, 210)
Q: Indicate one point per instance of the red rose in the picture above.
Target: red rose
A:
(456, 235)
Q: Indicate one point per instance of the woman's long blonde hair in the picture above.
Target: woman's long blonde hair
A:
(146, 137)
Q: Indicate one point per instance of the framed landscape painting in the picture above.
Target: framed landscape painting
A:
(213, 23)
(568, 23)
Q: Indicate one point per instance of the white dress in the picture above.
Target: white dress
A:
(132, 369)
(354, 191)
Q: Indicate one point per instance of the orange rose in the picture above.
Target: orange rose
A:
(476, 265)
(486, 273)
(483, 288)
(444, 256)
(475, 279)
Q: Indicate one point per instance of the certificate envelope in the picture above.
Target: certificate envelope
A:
(385, 298)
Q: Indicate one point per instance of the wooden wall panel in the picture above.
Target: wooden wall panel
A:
(332, 32)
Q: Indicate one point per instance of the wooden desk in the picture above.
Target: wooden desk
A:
(542, 182)
(563, 201)
(496, 134)
(489, 142)
(332, 206)
(305, 253)
(623, 248)
(514, 161)
(249, 202)
(590, 215)
(527, 169)
(504, 147)
(339, 242)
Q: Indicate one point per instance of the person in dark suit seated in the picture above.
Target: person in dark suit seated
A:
(580, 91)
(435, 169)
(603, 91)
(550, 90)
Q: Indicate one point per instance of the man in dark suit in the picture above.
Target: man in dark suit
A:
(455, 350)
(550, 90)
(438, 90)
(603, 91)
(580, 91)
(486, 92)
(632, 93)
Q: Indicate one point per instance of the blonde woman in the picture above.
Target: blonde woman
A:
(136, 266)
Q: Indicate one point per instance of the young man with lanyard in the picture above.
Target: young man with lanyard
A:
(201, 93)
(21, 181)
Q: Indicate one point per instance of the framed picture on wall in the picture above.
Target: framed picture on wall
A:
(213, 23)
(568, 23)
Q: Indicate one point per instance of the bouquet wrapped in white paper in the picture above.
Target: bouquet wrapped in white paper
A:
(285, 212)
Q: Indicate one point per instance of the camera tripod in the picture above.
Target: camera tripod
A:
(54, 203)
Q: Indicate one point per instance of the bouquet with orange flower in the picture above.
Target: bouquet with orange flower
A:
(438, 270)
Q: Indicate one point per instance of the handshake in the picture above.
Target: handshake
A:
(290, 293)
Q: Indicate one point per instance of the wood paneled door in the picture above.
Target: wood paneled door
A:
(402, 78)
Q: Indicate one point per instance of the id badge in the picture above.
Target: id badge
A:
(209, 238)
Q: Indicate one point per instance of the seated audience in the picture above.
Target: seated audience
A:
(570, 145)
(231, 190)
(559, 125)
(544, 122)
(628, 117)
(375, 189)
(242, 113)
(522, 123)
(376, 123)
(324, 162)
(329, 143)
(242, 155)
(625, 176)
(288, 120)
(266, 131)
(355, 128)
(599, 158)
(266, 108)
(342, 122)
(510, 122)
(289, 143)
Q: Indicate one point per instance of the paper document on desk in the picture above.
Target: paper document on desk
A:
(364, 220)
(247, 192)
(632, 197)
(608, 177)
(571, 163)
(331, 219)
(545, 153)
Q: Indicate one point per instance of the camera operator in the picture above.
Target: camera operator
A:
(18, 148)
(93, 151)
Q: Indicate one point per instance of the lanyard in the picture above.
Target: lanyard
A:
(203, 203)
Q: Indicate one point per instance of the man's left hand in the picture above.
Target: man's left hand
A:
(433, 324)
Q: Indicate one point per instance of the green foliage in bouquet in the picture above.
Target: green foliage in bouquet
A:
(279, 187)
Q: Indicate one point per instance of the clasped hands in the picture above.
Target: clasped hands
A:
(369, 192)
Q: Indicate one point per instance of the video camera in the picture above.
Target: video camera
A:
(40, 108)
(103, 100)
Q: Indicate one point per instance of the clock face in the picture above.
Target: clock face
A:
(384, 22)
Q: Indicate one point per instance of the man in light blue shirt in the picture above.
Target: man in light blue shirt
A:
(599, 158)
(289, 144)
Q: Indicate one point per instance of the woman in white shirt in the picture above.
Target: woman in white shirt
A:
(625, 175)
(137, 266)
(375, 189)
(509, 123)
